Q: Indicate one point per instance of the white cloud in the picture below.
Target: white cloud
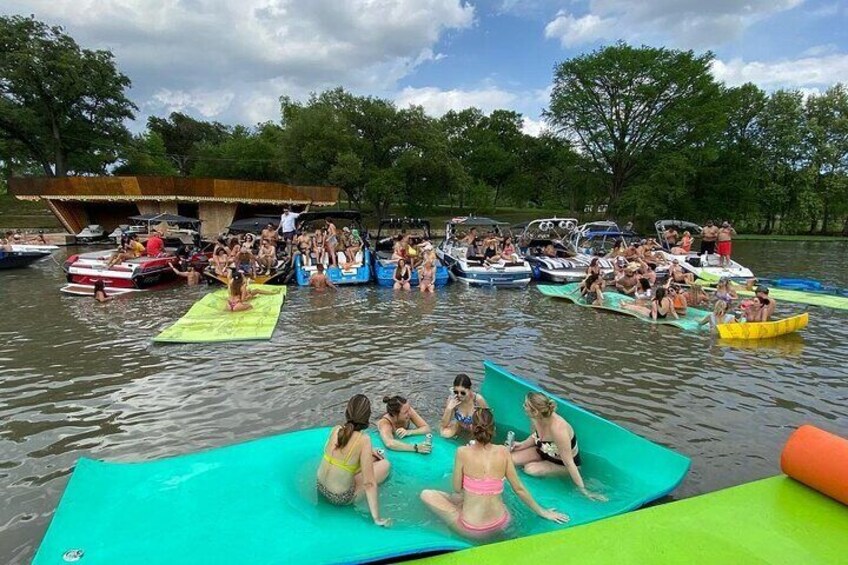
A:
(438, 102)
(240, 50)
(686, 23)
(805, 73)
(534, 127)
(575, 31)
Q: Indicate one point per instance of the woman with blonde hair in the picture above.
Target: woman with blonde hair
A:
(477, 508)
(552, 448)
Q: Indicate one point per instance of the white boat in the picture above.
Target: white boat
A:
(545, 244)
(595, 240)
(475, 270)
(26, 247)
(704, 266)
(93, 232)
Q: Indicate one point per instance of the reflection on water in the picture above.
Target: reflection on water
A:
(78, 378)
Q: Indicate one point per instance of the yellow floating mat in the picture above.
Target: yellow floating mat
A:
(763, 330)
(209, 320)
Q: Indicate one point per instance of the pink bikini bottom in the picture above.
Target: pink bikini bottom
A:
(499, 524)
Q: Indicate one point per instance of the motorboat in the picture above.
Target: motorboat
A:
(30, 247)
(595, 240)
(282, 271)
(359, 271)
(18, 259)
(176, 230)
(469, 267)
(545, 245)
(388, 231)
(90, 233)
(704, 266)
(142, 272)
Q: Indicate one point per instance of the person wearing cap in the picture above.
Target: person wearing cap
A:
(709, 235)
(724, 247)
(628, 283)
(767, 305)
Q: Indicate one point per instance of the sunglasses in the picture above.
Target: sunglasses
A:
(460, 392)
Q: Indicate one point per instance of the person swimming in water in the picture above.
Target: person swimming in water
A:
(460, 407)
(319, 280)
(100, 292)
(348, 468)
(476, 509)
(402, 275)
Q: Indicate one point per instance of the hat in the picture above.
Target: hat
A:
(763, 289)
(346, 229)
(633, 267)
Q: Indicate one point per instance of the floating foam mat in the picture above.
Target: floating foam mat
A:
(255, 502)
(799, 297)
(208, 320)
(613, 302)
(776, 520)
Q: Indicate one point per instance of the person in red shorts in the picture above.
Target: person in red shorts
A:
(725, 235)
(155, 246)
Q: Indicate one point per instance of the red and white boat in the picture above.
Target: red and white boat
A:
(84, 269)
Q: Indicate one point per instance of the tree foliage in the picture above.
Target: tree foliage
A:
(61, 107)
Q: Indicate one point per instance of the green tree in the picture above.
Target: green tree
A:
(621, 105)
(245, 154)
(146, 156)
(827, 138)
(183, 137)
(61, 106)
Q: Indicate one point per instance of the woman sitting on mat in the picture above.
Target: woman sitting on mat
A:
(718, 316)
(235, 293)
(552, 447)
(350, 467)
(592, 289)
(460, 407)
(476, 509)
(395, 423)
(696, 297)
(662, 306)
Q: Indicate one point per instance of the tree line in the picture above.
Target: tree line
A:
(640, 133)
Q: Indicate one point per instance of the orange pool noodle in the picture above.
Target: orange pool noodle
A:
(818, 459)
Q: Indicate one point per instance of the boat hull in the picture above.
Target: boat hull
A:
(764, 330)
(517, 276)
(360, 274)
(384, 272)
(20, 259)
(144, 272)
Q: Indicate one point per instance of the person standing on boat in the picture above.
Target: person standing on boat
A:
(724, 246)
(670, 234)
(552, 448)
(476, 508)
(288, 225)
(708, 238)
(348, 467)
(460, 407)
(395, 424)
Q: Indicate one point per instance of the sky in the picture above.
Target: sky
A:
(231, 60)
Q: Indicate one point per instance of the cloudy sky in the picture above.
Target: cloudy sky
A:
(230, 60)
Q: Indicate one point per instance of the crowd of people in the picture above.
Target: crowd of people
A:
(490, 248)
(16, 237)
(352, 468)
(413, 255)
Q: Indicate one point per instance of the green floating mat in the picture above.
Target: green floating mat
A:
(208, 320)
(613, 302)
(256, 502)
(774, 520)
(800, 297)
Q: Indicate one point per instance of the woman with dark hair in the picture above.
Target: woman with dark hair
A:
(460, 407)
(402, 275)
(348, 468)
(552, 447)
(662, 306)
(477, 508)
(100, 291)
(395, 423)
(592, 290)
(594, 267)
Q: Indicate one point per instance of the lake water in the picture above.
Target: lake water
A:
(78, 378)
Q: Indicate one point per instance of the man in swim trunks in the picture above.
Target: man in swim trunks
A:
(709, 235)
(670, 235)
(725, 235)
(319, 280)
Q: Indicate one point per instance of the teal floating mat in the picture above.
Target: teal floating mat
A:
(613, 302)
(208, 320)
(256, 502)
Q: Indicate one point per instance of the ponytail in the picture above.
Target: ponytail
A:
(345, 432)
(357, 415)
(483, 426)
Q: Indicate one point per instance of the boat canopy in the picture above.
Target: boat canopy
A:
(476, 221)
(253, 225)
(663, 225)
(167, 218)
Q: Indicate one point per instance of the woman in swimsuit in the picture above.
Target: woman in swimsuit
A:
(318, 247)
(718, 316)
(427, 277)
(696, 296)
(552, 447)
(395, 423)
(235, 295)
(100, 292)
(220, 262)
(332, 240)
(476, 509)
(592, 290)
(508, 250)
(460, 407)
(402, 275)
(724, 291)
(662, 306)
(594, 267)
(348, 468)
